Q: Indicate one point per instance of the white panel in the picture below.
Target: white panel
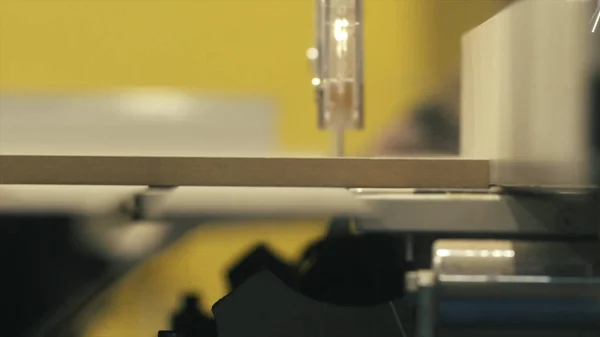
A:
(232, 202)
(525, 82)
(149, 122)
(77, 200)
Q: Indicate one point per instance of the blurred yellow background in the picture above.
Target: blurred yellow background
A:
(242, 47)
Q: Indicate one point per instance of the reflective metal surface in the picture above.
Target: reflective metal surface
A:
(509, 285)
(478, 212)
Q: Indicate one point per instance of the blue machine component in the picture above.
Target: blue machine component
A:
(521, 313)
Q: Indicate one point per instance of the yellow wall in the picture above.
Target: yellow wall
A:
(244, 46)
(235, 46)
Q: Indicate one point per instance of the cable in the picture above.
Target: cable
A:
(398, 321)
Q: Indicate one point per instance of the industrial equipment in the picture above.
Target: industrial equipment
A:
(501, 241)
(339, 67)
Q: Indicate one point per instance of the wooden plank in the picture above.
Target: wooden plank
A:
(209, 171)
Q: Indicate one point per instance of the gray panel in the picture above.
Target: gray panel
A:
(479, 213)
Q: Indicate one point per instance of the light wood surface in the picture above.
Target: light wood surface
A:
(209, 171)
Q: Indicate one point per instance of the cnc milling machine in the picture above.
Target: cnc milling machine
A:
(505, 236)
